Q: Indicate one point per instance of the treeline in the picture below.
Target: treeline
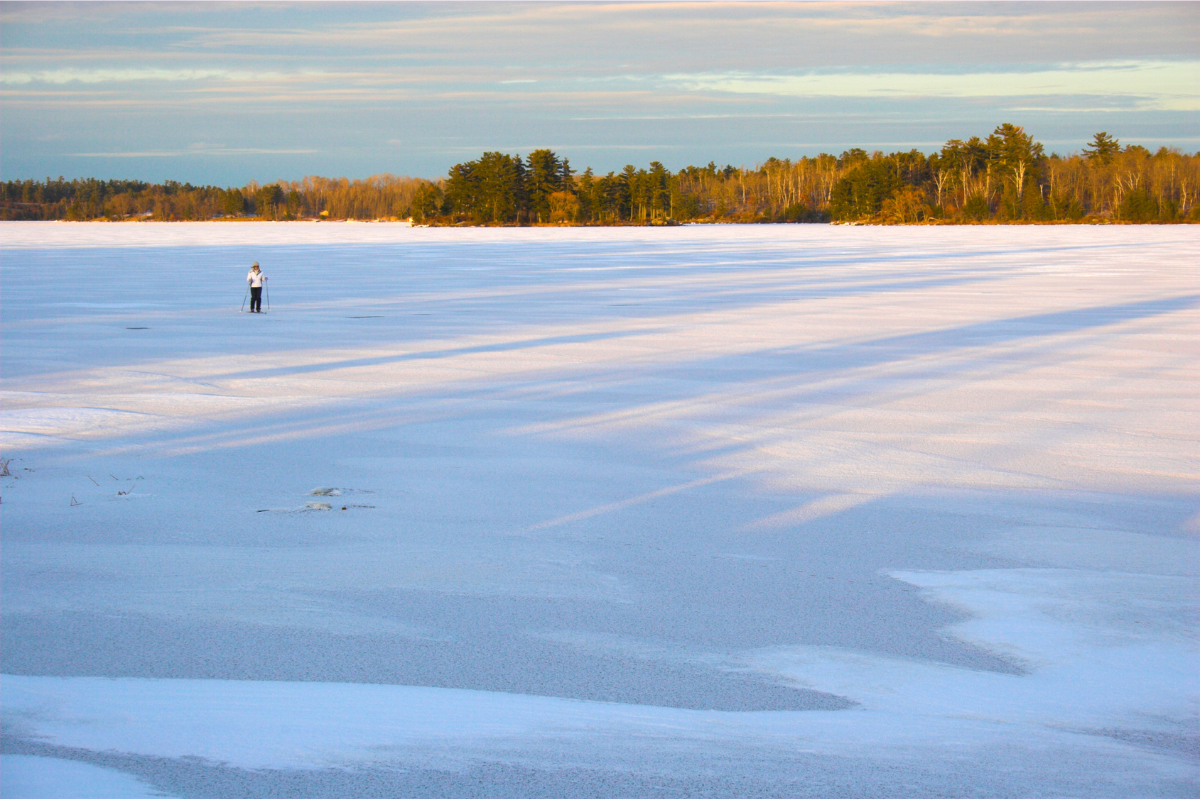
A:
(1006, 177)
(377, 197)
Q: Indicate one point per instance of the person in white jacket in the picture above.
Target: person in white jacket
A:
(256, 280)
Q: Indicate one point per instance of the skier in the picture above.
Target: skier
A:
(255, 279)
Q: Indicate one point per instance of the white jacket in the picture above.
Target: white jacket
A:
(256, 279)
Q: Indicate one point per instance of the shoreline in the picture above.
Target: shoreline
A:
(411, 224)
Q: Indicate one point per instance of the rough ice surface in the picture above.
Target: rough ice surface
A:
(727, 510)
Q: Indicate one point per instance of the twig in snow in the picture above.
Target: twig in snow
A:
(4, 473)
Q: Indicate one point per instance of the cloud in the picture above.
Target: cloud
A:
(60, 76)
(1145, 85)
(113, 75)
(197, 151)
(731, 31)
(718, 81)
(1157, 85)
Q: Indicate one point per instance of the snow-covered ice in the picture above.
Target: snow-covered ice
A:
(728, 510)
(38, 776)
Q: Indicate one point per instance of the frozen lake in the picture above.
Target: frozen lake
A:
(729, 510)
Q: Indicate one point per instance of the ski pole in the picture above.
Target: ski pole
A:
(267, 292)
(243, 308)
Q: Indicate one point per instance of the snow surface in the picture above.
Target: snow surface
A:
(728, 510)
(38, 776)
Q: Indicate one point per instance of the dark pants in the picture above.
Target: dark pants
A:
(256, 298)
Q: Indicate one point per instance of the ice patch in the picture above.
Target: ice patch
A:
(1111, 675)
(312, 505)
(1121, 551)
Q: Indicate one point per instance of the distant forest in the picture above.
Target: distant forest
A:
(1006, 177)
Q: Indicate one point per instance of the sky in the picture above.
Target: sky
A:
(226, 93)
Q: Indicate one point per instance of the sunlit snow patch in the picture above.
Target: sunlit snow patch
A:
(1106, 653)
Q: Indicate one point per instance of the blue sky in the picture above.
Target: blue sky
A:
(231, 92)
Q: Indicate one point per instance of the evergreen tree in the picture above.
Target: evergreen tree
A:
(1015, 155)
(860, 194)
(1102, 148)
(544, 178)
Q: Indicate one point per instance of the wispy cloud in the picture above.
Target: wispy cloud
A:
(1143, 85)
(696, 81)
(1158, 85)
(102, 75)
(61, 76)
(197, 151)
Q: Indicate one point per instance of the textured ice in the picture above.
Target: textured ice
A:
(772, 511)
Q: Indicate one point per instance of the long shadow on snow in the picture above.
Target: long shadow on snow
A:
(858, 354)
(726, 369)
(906, 347)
